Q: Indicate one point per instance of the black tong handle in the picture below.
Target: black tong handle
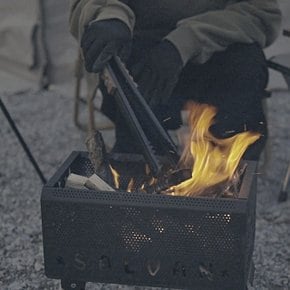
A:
(140, 119)
(132, 122)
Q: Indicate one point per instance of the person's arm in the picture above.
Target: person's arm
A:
(248, 21)
(83, 12)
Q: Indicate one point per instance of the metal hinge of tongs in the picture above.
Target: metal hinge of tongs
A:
(142, 122)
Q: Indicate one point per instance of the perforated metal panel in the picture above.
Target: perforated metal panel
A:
(139, 239)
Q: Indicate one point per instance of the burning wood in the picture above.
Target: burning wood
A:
(162, 184)
(214, 163)
(229, 188)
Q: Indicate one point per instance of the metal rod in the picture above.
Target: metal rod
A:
(279, 67)
(22, 142)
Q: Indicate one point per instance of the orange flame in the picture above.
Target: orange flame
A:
(213, 160)
(116, 177)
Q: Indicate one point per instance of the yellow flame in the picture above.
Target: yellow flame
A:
(153, 181)
(147, 169)
(212, 160)
(130, 185)
(116, 177)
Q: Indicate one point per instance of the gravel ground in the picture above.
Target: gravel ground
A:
(45, 119)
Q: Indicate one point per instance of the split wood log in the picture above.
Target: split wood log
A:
(98, 156)
(97, 183)
(76, 181)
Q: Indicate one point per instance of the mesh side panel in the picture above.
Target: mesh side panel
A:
(82, 166)
(211, 231)
(202, 244)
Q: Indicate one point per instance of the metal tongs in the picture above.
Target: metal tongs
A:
(142, 122)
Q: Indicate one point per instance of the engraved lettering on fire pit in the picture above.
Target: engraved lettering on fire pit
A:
(153, 267)
(127, 268)
(79, 262)
(104, 263)
(179, 269)
(60, 260)
(225, 274)
(206, 272)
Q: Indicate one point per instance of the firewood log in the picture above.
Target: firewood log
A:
(76, 181)
(97, 183)
(98, 156)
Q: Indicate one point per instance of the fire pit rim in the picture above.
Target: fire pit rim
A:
(232, 204)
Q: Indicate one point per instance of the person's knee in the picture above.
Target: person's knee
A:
(242, 67)
(248, 63)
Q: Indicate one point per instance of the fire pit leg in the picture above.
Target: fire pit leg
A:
(73, 285)
(251, 276)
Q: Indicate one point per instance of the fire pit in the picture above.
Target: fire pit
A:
(146, 239)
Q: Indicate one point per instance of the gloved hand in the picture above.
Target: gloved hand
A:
(103, 39)
(229, 123)
(157, 75)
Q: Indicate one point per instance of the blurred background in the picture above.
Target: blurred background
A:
(38, 85)
(36, 47)
(37, 50)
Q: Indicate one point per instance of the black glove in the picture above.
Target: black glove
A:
(157, 75)
(229, 123)
(103, 39)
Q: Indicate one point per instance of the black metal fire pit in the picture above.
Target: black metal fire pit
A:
(142, 239)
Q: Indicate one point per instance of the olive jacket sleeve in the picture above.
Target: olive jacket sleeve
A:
(82, 12)
(198, 37)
